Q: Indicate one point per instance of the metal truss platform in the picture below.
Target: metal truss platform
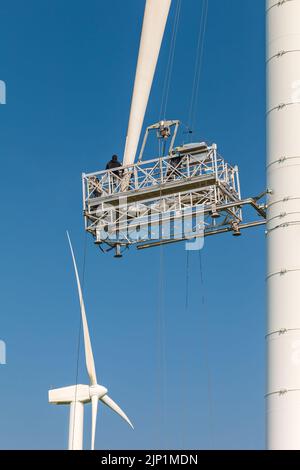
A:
(192, 192)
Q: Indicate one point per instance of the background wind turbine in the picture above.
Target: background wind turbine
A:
(77, 395)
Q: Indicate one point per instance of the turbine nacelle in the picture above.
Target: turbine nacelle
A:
(73, 393)
(67, 395)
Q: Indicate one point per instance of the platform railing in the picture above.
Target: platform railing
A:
(160, 171)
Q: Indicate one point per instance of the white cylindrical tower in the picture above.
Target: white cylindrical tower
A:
(76, 426)
(283, 224)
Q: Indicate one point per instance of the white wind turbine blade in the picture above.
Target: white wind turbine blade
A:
(89, 358)
(95, 401)
(111, 404)
(155, 19)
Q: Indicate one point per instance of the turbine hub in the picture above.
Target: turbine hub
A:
(98, 390)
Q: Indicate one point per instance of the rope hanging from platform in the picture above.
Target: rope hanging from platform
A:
(205, 353)
(184, 365)
(161, 333)
(187, 280)
(206, 357)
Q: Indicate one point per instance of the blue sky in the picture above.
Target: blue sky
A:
(69, 69)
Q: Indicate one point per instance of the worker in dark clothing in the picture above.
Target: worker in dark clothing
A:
(175, 161)
(174, 165)
(114, 163)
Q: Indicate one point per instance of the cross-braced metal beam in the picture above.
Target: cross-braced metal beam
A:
(189, 193)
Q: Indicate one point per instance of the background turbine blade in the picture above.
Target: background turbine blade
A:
(89, 358)
(95, 401)
(111, 404)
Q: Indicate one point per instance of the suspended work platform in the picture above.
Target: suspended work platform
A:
(192, 192)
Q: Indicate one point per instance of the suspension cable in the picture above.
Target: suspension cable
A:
(170, 63)
(161, 356)
(198, 65)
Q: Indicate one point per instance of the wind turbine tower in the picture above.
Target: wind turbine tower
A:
(283, 224)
